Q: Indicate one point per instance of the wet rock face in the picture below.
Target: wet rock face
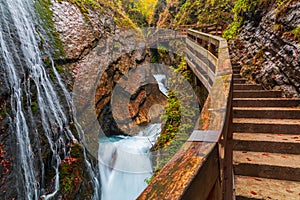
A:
(101, 55)
(126, 103)
(268, 52)
(80, 33)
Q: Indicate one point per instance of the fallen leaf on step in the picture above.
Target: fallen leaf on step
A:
(257, 179)
(289, 191)
(279, 134)
(248, 159)
(265, 154)
(284, 156)
(254, 193)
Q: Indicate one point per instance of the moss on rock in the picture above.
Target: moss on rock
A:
(42, 8)
(73, 175)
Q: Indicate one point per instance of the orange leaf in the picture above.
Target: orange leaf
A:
(265, 154)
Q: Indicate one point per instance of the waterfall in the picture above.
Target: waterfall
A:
(21, 60)
(125, 164)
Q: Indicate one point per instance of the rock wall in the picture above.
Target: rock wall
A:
(268, 50)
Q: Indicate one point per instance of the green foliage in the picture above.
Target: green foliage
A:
(123, 21)
(296, 33)
(248, 6)
(233, 29)
(140, 11)
(204, 12)
(240, 7)
(178, 118)
(161, 49)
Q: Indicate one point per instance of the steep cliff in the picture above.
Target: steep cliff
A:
(100, 46)
(267, 46)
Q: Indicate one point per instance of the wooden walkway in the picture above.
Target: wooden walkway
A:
(266, 142)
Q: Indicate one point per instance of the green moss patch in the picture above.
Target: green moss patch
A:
(73, 175)
(42, 8)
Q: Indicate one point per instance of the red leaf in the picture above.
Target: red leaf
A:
(254, 193)
(248, 159)
(289, 191)
(265, 154)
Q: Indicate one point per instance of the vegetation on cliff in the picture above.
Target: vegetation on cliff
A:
(141, 12)
(251, 9)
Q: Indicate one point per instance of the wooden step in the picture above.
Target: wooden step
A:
(267, 112)
(267, 165)
(247, 87)
(256, 94)
(236, 70)
(262, 188)
(267, 142)
(239, 67)
(254, 125)
(239, 80)
(266, 102)
(236, 76)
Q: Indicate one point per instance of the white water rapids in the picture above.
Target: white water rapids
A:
(125, 161)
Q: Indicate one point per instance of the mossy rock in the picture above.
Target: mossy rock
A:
(42, 8)
(73, 175)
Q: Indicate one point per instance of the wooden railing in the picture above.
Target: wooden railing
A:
(202, 168)
(214, 29)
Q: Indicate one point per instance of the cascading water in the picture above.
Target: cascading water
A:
(21, 60)
(125, 164)
(125, 161)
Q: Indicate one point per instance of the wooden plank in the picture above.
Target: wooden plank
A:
(203, 183)
(181, 173)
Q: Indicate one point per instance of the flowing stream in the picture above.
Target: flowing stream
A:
(125, 161)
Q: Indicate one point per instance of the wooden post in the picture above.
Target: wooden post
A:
(228, 169)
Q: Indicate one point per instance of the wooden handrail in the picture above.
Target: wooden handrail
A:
(202, 168)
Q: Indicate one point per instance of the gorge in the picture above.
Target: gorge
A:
(46, 127)
(90, 102)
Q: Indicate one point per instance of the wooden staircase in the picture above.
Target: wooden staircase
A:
(266, 142)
